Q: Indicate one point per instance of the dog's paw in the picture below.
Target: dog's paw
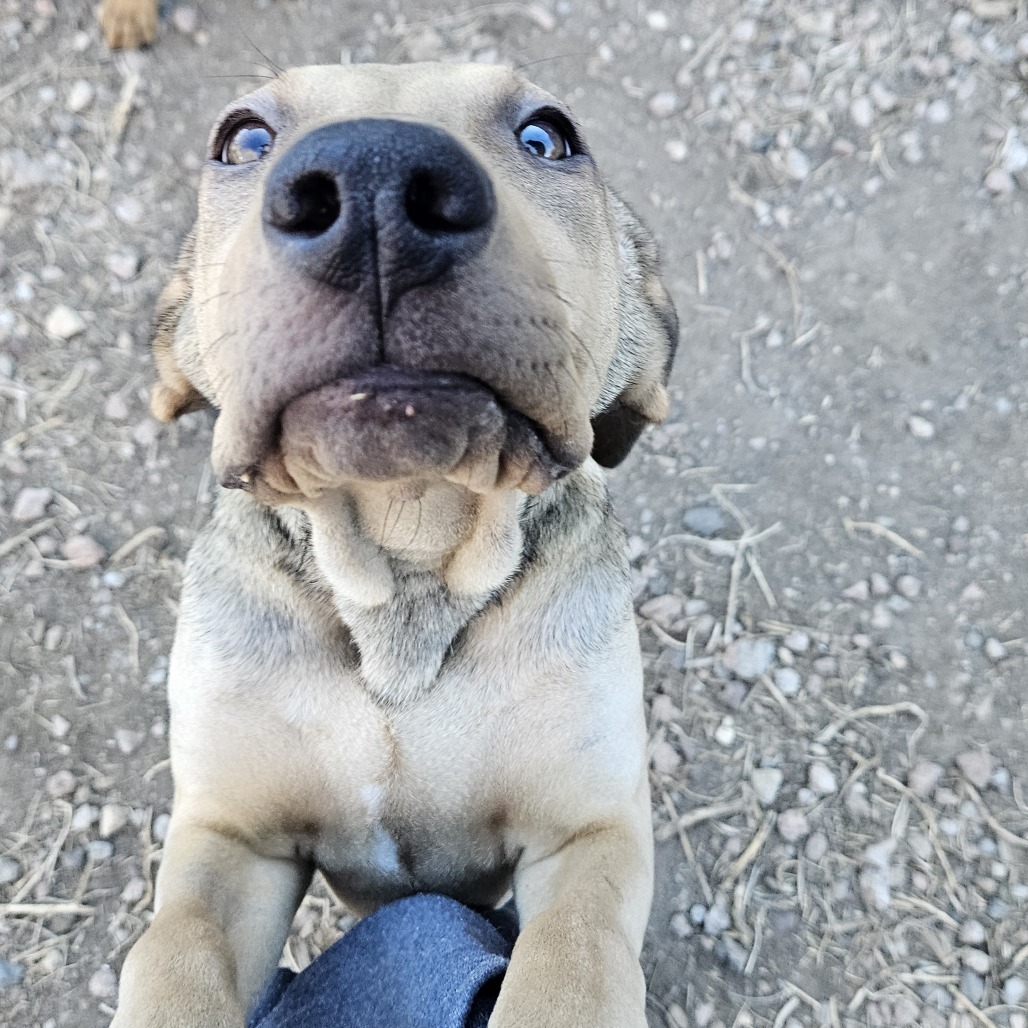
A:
(128, 24)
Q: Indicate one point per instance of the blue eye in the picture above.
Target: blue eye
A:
(249, 141)
(543, 139)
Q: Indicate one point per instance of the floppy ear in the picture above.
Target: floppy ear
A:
(635, 395)
(173, 394)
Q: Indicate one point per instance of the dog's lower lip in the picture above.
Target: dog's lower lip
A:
(383, 378)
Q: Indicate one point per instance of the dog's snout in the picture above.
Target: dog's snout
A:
(376, 198)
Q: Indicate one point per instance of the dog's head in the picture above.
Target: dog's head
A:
(406, 273)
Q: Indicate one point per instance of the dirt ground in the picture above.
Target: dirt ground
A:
(828, 536)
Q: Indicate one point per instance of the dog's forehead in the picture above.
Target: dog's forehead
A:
(447, 94)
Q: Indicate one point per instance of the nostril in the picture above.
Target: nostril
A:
(308, 205)
(436, 205)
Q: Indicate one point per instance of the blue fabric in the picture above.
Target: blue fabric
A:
(422, 962)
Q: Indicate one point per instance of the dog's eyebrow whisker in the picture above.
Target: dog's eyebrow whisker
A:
(417, 526)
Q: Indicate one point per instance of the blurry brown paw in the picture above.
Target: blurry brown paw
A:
(128, 24)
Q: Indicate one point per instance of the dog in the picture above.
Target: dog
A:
(128, 24)
(406, 652)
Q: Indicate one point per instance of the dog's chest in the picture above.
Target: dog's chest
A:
(402, 805)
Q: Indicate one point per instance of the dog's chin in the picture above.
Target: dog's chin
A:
(402, 425)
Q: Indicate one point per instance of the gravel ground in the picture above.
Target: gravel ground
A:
(828, 536)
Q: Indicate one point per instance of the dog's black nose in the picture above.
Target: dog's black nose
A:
(378, 199)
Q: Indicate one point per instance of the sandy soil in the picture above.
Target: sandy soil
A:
(829, 534)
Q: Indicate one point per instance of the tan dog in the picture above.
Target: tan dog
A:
(406, 652)
(128, 24)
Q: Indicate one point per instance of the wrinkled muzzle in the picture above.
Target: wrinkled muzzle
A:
(382, 316)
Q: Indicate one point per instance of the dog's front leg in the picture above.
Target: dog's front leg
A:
(583, 912)
(223, 913)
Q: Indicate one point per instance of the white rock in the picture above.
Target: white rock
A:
(766, 782)
(113, 817)
(128, 741)
(859, 592)
(862, 112)
(749, 658)
(788, 680)
(676, 150)
(185, 20)
(999, 181)
(10, 870)
(80, 96)
(717, 918)
(64, 323)
(920, 428)
(1014, 991)
(663, 105)
(816, 847)
(972, 933)
(664, 610)
(908, 586)
(793, 825)
(938, 112)
(923, 777)
(30, 504)
(798, 642)
(115, 408)
(797, 164)
(84, 816)
(744, 30)
(995, 650)
(104, 983)
(1015, 153)
(83, 551)
(724, 734)
(821, 779)
(976, 767)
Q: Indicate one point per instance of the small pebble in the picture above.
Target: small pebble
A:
(100, 850)
(113, 817)
(862, 112)
(128, 741)
(123, 264)
(83, 551)
(798, 642)
(185, 20)
(976, 767)
(31, 503)
(976, 959)
(995, 650)
(1014, 991)
(705, 521)
(797, 164)
(999, 181)
(880, 586)
(64, 323)
(792, 825)
(972, 933)
(62, 783)
(816, 847)
(788, 681)
(821, 779)
(920, 428)
(104, 983)
(859, 592)
(10, 870)
(749, 658)
(664, 610)
(923, 777)
(766, 782)
(10, 973)
(80, 96)
(115, 408)
(663, 105)
(972, 985)
(717, 918)
(908, 586)
(724, 734)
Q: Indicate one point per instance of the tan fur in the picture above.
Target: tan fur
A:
(128, 24)
(425, 682)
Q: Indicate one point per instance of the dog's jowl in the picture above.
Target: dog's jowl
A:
(424, 322)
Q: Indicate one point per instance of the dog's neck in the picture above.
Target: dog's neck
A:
(408, 570)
